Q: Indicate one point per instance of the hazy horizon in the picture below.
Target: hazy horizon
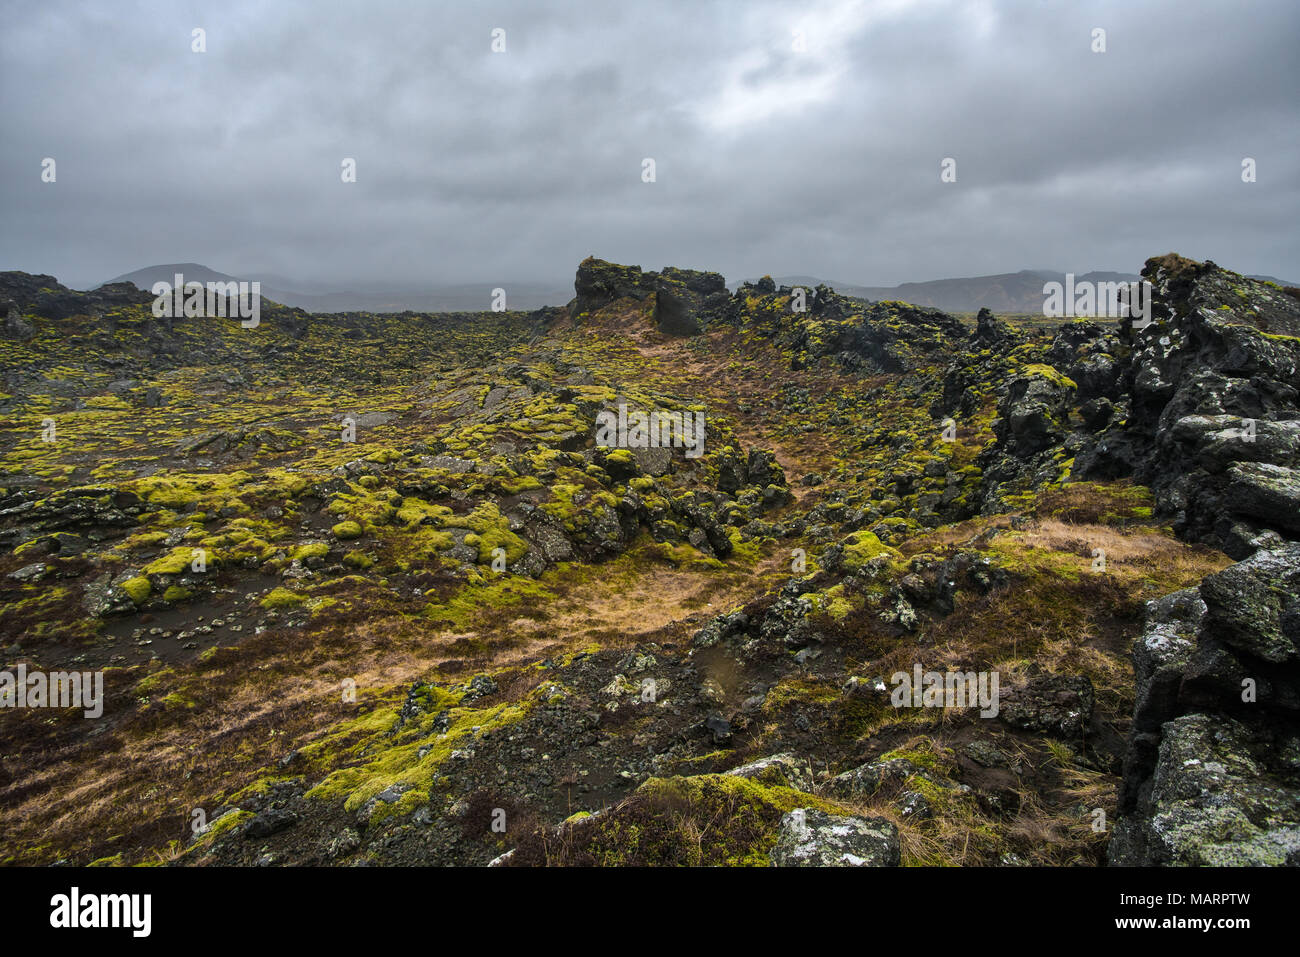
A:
(337, 285)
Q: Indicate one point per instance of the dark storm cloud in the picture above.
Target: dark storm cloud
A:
(497, 167)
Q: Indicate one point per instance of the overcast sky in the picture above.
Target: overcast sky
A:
(480, 166)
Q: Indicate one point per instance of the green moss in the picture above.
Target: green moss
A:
(179, 492)
(702, 820)
(681, 555)
(414, 512)
(861, 547)
(222, 825)
(412, 759)
(137, 589)
(833, 602)
(310, 550)
(797, 691)
(175, 562)
(743, 552)
(154, 681)
(493, 594)
(420, 544)
(1050, 373)
(517, 484)
(923, 755)
(622, 457)
(281, 598)
(346, 530)
(499, 537)
(145, 540)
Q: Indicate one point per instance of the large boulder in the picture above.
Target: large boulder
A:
(1213, 800)
(15, 326)
(1210, 774)
(1254, 606)
(1269, 494)
(599, 283)
(673, 313)
(1034, 414)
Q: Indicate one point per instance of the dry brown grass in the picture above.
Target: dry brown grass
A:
(137, 784)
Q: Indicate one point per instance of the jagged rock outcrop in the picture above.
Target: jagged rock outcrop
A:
(685, 300)
(858, 335)
(1033, 416)
(45, 296)
(1032, 427)
(1204, 406)
(1201, 405)
(1212, 772)
(1085, 352)
(990, 331)
(1201, 402)
(816, 323)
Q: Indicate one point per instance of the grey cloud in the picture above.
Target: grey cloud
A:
(498, 167)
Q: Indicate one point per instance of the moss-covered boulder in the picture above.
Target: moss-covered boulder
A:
(345, 531)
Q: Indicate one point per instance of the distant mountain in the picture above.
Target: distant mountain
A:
(145, 278)
(369, 297)
(1015, 292)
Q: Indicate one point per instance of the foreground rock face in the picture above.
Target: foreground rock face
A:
(1212, 774)
(1202, 404)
